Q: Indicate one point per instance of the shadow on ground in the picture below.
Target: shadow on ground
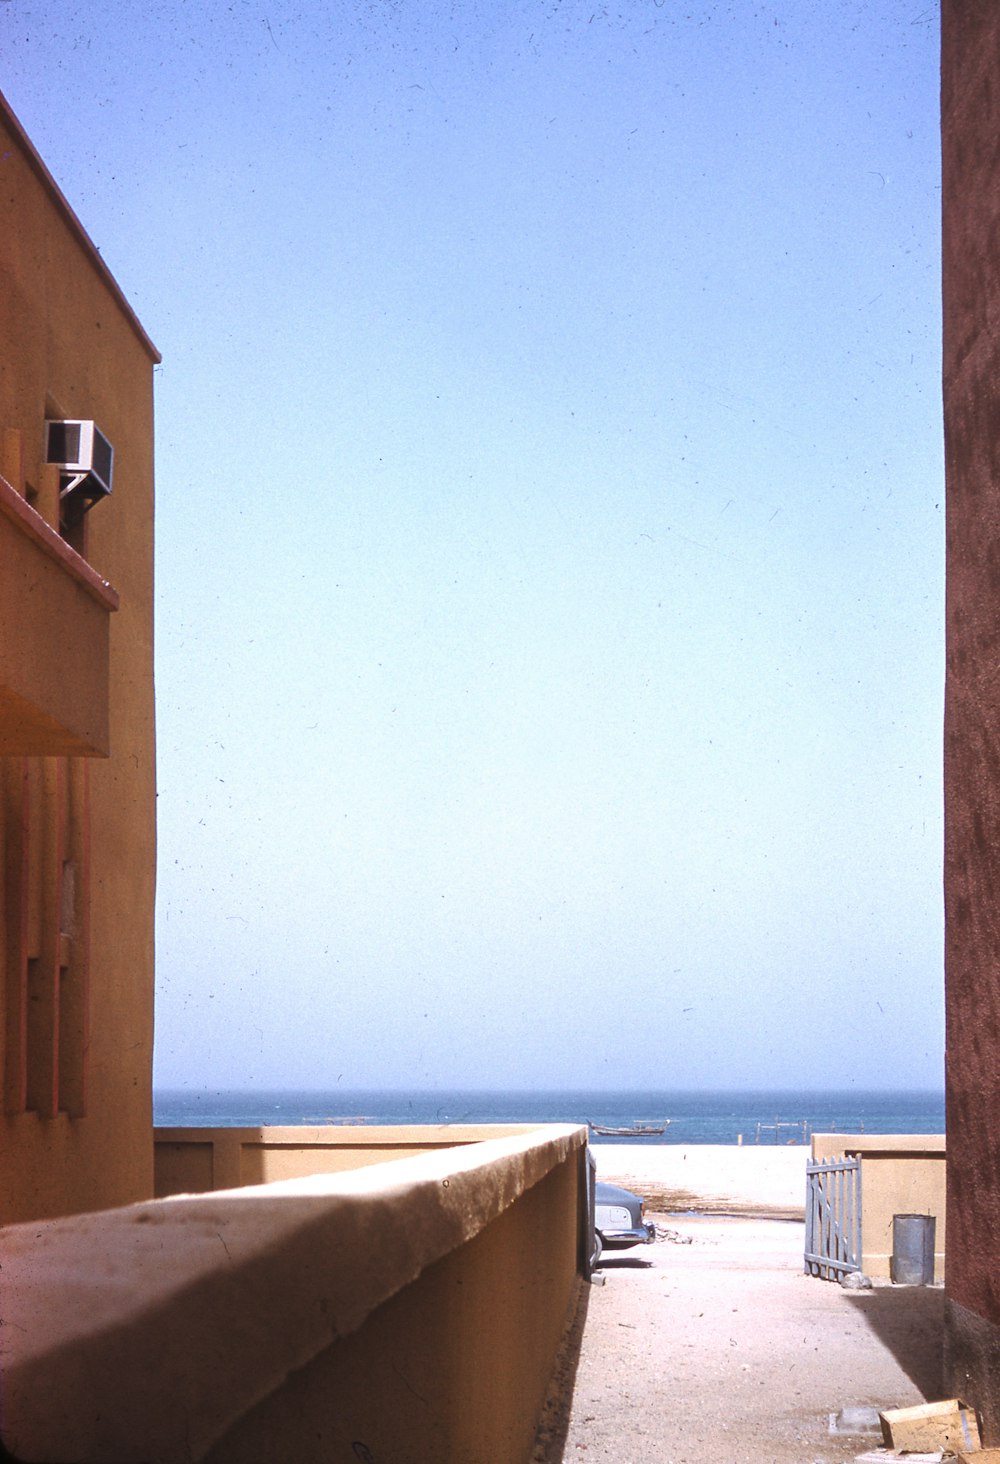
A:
(623, 1263)
(553, 1427)
(909, 1322)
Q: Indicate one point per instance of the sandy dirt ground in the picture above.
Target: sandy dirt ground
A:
(713, 1347)
(711, 1178)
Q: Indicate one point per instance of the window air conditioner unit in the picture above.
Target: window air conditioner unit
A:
(86, 459)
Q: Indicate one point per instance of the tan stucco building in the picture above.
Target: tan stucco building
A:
(77, 755)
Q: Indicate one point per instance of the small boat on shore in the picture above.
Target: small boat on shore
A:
(630, 1131)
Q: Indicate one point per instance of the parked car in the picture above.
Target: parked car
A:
(619, 1220)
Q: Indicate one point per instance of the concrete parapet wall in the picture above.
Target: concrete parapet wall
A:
(409, 1311)
(901, 1174)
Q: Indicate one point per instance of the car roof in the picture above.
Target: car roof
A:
(613, 1191)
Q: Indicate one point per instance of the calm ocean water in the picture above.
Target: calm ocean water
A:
(695, 1118)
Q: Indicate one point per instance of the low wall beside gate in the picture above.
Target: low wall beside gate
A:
(900, 1174)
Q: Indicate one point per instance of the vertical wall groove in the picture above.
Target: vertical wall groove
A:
(47, 816)
(74, 934)
(45, 922)
(14, 796)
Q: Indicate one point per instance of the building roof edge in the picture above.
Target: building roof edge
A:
(50, 185)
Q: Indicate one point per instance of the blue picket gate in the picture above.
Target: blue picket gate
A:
(833, 1218)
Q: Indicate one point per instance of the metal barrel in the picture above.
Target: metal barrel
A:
(912, 1250)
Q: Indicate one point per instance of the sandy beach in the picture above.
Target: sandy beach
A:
(768, 1181)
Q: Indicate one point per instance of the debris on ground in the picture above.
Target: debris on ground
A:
(948, 1426)
(856, 1281)
(856, 1418)
(673, 1236)
(886, 1456)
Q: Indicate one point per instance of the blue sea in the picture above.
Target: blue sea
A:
(689, 1118)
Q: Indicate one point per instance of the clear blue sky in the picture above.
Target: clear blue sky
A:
(550, 528)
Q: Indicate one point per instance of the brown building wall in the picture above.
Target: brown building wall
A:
(970, 67)
(77, 833)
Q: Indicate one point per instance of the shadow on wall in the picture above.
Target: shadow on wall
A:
(909, 1322)
(553, 1427)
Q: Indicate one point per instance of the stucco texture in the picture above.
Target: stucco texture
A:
(71, 347)
(970, 102)
(414, 1308)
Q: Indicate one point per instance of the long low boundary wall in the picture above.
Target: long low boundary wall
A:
(901, 1174)
(194, 1160)
(410, 1310)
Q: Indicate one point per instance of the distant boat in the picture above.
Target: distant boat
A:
(630, 1131)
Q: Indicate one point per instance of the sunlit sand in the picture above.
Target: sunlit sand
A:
(767, 1180)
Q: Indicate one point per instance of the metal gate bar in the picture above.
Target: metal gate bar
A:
(833, 1218)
